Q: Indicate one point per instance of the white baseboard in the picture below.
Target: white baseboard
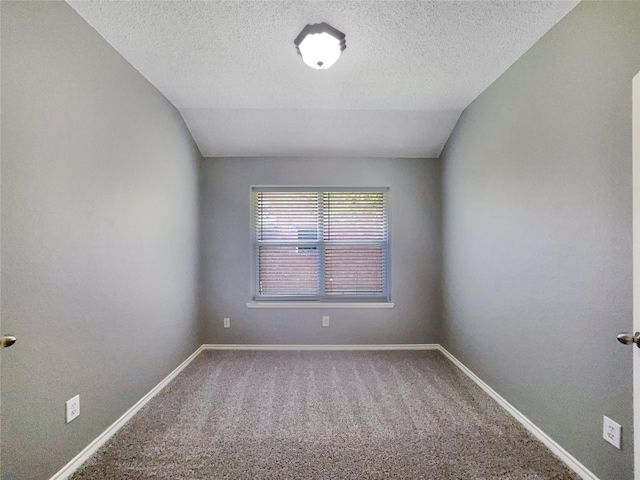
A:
(551, 444)
(66, 471)
(560, 452)
(418, 346)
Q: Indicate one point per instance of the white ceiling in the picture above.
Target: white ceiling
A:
(409, 69)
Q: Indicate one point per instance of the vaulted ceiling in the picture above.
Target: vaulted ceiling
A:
(409, 69)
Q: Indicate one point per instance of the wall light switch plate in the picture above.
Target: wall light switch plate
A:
(611, 432)
(325, 321)
(227, 323)
(73, 408)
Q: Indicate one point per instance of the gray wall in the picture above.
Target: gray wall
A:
(537, 232)
(99, 236)
(227, 253)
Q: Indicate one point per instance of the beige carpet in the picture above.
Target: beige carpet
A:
(322, 415)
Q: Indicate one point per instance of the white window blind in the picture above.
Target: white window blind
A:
(321, 244)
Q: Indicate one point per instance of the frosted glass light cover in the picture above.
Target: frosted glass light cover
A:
(320, 51)
(320, 45)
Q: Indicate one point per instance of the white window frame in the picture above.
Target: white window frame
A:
(332, 301)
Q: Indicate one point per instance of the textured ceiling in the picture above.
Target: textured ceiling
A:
(409, 69)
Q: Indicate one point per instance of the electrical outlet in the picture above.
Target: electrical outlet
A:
(227, 323)
(611, 432)
(325, 321)
(73, 408)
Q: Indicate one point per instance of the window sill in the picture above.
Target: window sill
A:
(320, 305)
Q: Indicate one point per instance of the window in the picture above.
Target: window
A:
(321, 244)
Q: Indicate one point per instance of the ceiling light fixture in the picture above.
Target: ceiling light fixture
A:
(320, 45)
